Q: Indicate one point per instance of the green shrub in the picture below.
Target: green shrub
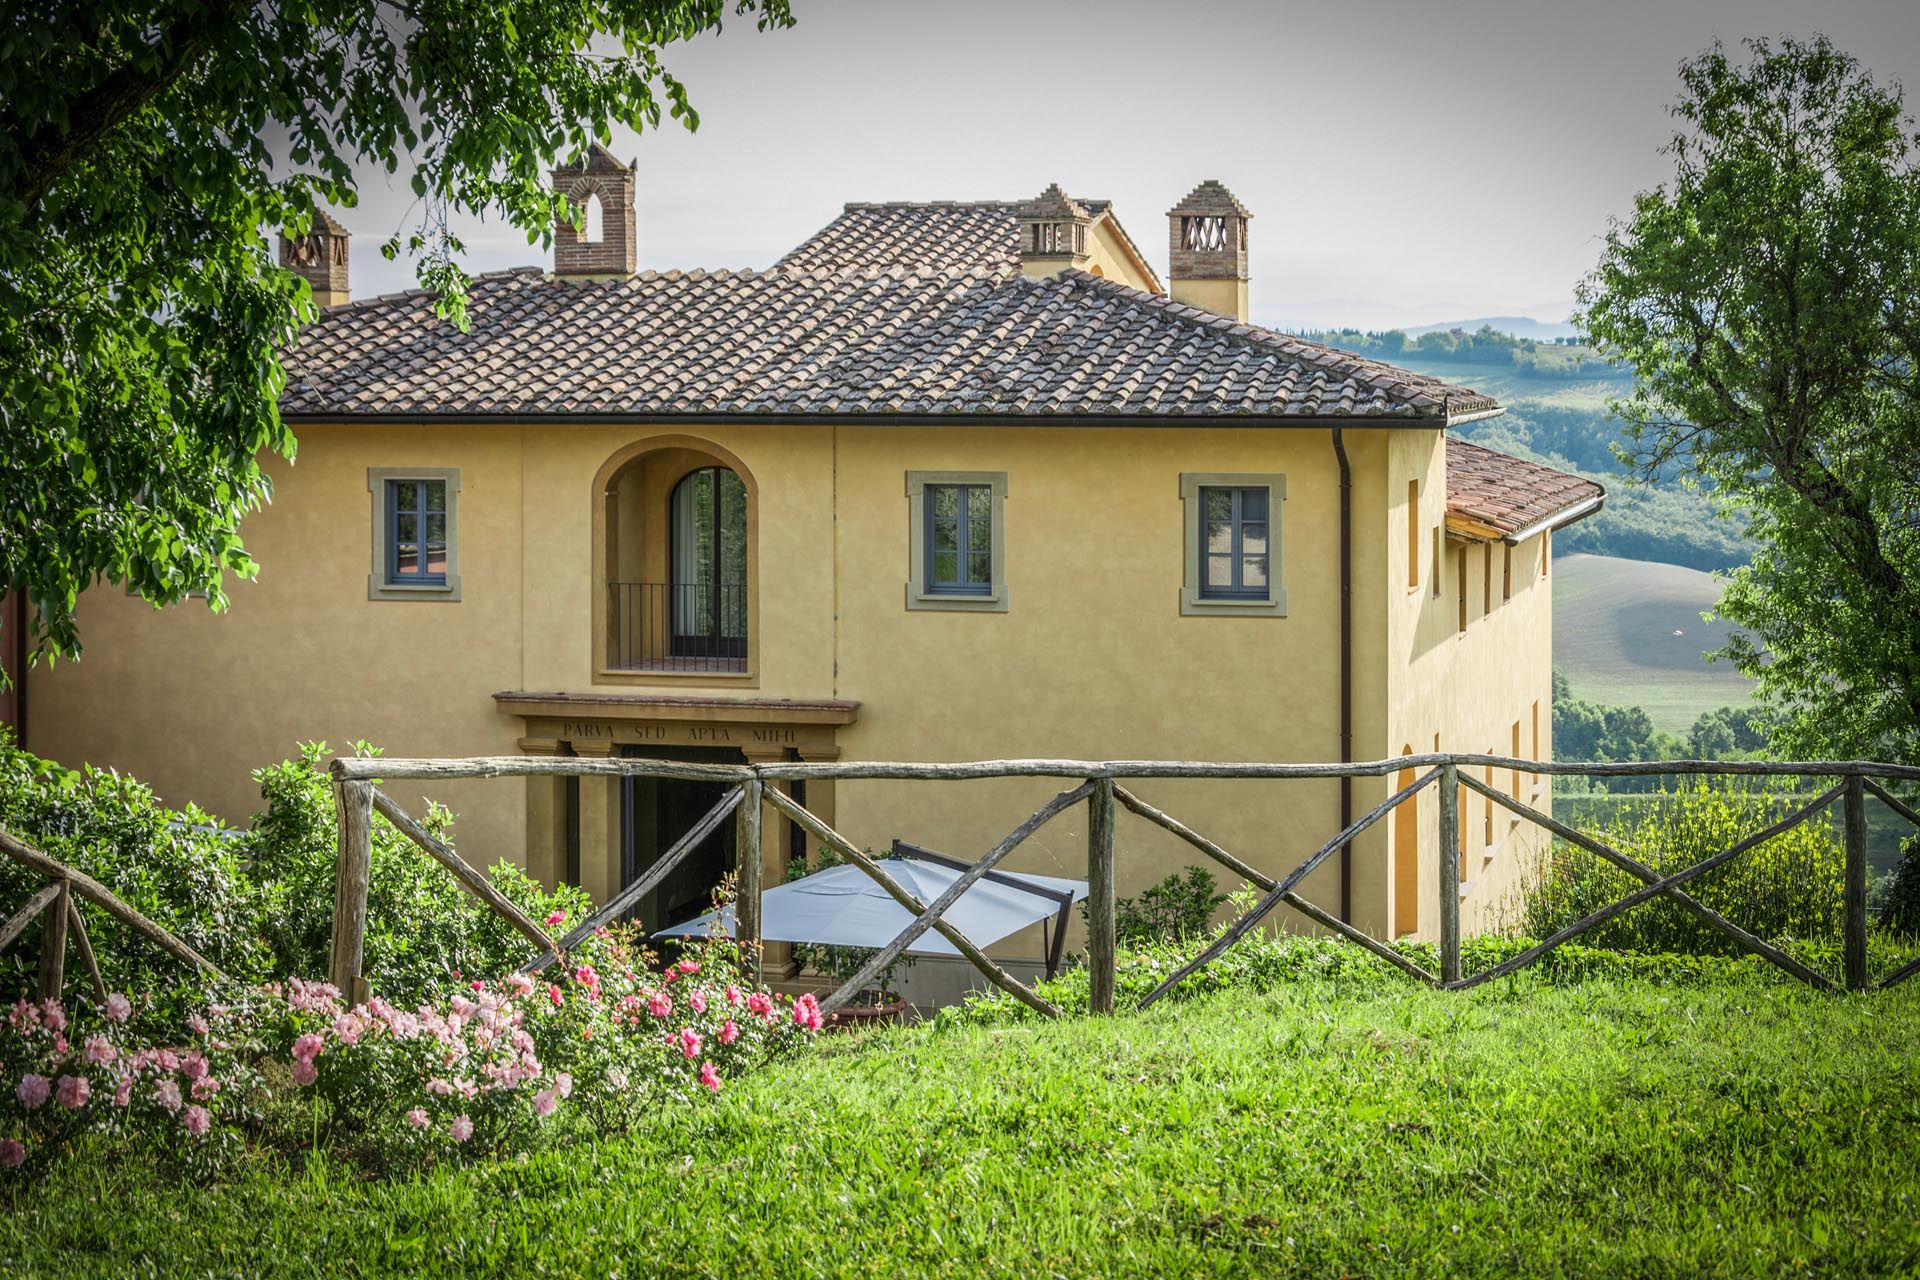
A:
(178, 867)
(1900, 912)
(259, 903)
(1788, 887)
(1177, 907)
(423, 928)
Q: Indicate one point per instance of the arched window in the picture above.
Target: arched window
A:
(709, 564)
(596, 221)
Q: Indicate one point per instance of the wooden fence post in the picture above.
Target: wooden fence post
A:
(53, 942)
(746, 852)
(1449, 872)
(1100, 927)
(353, 870)
(1854, 927)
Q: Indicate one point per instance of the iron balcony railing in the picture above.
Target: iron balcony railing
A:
(678, 626)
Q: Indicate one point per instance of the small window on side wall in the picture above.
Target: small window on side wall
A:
(415, 538)
(959, 539)
(1233, 545)
(956, 523)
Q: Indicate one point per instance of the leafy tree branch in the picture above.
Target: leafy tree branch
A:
(147, 145)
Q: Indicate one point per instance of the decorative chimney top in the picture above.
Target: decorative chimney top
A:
(1207, 235)
(604, 182)
(320, 258)
(1053, 233)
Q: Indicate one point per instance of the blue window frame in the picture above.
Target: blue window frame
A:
(416, 533)
(959, 539)
(1234, 555)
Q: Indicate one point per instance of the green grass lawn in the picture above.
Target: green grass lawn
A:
(1629, 633)
(1324, 1128)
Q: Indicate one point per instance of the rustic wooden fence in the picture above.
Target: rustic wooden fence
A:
(1098, 784)
(62, 924)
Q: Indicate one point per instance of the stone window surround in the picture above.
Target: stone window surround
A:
(1191, 602)
(918, 597)
(378, 588)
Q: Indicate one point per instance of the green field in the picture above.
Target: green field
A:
(1323, 1128)
(1629, 633)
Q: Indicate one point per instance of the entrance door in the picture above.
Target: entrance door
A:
(654, 814)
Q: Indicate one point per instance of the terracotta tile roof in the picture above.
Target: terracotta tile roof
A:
(943, 235)
(938, 235)
(791, 342)
(1492, 494)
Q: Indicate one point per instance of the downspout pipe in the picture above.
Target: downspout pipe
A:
(1346, 668)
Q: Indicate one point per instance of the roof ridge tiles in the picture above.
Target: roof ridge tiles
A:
(420, 291)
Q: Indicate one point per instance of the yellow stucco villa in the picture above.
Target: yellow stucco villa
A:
(949, 481)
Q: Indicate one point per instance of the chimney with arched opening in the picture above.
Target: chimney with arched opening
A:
(319, 258)
(603, 180)
(1208, 238)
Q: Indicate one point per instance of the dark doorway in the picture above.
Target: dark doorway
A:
(709, 565)
(654, 814)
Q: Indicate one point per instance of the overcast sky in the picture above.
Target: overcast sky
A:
(1408, 161)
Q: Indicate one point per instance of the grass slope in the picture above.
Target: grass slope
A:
(1628, 632)
(1323, 1129)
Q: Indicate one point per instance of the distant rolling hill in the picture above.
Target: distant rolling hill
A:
(1629, 633)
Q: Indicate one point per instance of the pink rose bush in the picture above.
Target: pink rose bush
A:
(491, 1069)
(111, 1077)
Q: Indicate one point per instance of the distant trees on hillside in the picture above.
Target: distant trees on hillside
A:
(1484, 346)
(1598, 732)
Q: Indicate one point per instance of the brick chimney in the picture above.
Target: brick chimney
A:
(320, 258)
(604, 181)
(1053, 234)
(1207, 232)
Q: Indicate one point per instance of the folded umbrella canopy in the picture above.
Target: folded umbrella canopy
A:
(842, 906)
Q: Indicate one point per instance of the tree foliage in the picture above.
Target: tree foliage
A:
(1769, 300)
(144, 147)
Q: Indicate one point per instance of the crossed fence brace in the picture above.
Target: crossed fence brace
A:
(750, 793)
(360, 796)
(55, 906)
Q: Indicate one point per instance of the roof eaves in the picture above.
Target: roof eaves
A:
(1570, 514)
(990, 413)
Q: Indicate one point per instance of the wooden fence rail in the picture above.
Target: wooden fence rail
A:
(1098, 786)
(61, 923)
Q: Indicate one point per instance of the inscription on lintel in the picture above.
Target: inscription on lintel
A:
(629, 731)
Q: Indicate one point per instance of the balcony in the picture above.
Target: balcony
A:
(678, 626)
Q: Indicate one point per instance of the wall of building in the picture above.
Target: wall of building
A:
(1223, 296)
(1463, 690)
(192, 701)
(1109, 256)
(1092, 658)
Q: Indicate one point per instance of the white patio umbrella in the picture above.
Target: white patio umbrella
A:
(842, 907)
